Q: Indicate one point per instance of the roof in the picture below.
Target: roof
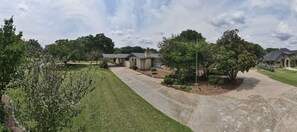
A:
(112, 56)
(138, 55)
(142, 55)
(272, 56)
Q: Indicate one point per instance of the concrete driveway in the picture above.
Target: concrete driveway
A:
(259, 104)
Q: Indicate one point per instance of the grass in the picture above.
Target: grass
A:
(282, 75)
(113, 106)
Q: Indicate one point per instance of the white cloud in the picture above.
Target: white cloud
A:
(260, 3)
(145, 22)
(229, 19)
(145, 41)
(118, 33)
(283, 32)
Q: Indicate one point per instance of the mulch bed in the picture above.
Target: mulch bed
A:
(207, 89)
(203, 88)
(161, 73)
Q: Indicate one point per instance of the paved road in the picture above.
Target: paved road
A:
(259, 104)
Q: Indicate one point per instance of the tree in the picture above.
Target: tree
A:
(257, 50)
(271, 49)
(135, 49)
(11, 54)
(234, 54)
(33, 48)
(190, 35)
(51, 96)
(179, 52)
(97, 42)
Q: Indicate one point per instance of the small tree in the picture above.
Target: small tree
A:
(51, 96)
(11, 53)
(234, 54)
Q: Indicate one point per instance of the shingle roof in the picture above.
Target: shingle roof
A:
(138, 55)
(273, 55)
(142, 55)
(112, 56)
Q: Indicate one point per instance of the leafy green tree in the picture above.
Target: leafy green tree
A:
(11, 51)
(134, 49)
(51, 96)
(234, 54)
(11, 54)
(97, 42)
(190, 35)
(271, 49)
(34, 49)
(257, 50)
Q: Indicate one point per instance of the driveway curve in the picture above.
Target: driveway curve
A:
(259, 104)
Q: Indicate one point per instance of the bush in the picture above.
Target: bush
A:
(153, 69)
(293, 63)
(212, 80)
(168, 80)
(3, 115)
(266, 67)
(134, 67)
(103, 65)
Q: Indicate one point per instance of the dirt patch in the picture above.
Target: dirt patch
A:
(160, 73)
(207, 89)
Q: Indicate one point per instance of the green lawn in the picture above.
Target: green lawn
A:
(282, 75)
(113, 106)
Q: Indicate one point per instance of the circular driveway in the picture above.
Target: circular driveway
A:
(259, 104)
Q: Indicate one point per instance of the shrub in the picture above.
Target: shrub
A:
(212, 80)
(266, 67)
(168, 80)
(153, 69)
(293, 63)
(3, 129)
(134, 67)
(103, 65)
(3, 115)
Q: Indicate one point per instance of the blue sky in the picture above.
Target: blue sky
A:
(270, 23)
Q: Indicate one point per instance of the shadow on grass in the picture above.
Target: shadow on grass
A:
(77, 67)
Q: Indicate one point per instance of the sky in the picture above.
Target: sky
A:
(270, 23)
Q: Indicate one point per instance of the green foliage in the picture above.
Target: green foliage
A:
(212, 80)
(53, 94)
(3, 114)
(113, 106)
(293, 62)
(265, 66)
(103, 65)
(134, 67)
(3, 129)
(234, 54)
(11, 54)
(153, 69)
(271, 49)
(135, 49)
(83, 48)
(168, 80)
(33, 48)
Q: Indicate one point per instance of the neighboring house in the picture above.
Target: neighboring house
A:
(281, 57)
(143, 61)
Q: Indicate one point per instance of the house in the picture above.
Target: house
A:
(281, 57)
(143, 61)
